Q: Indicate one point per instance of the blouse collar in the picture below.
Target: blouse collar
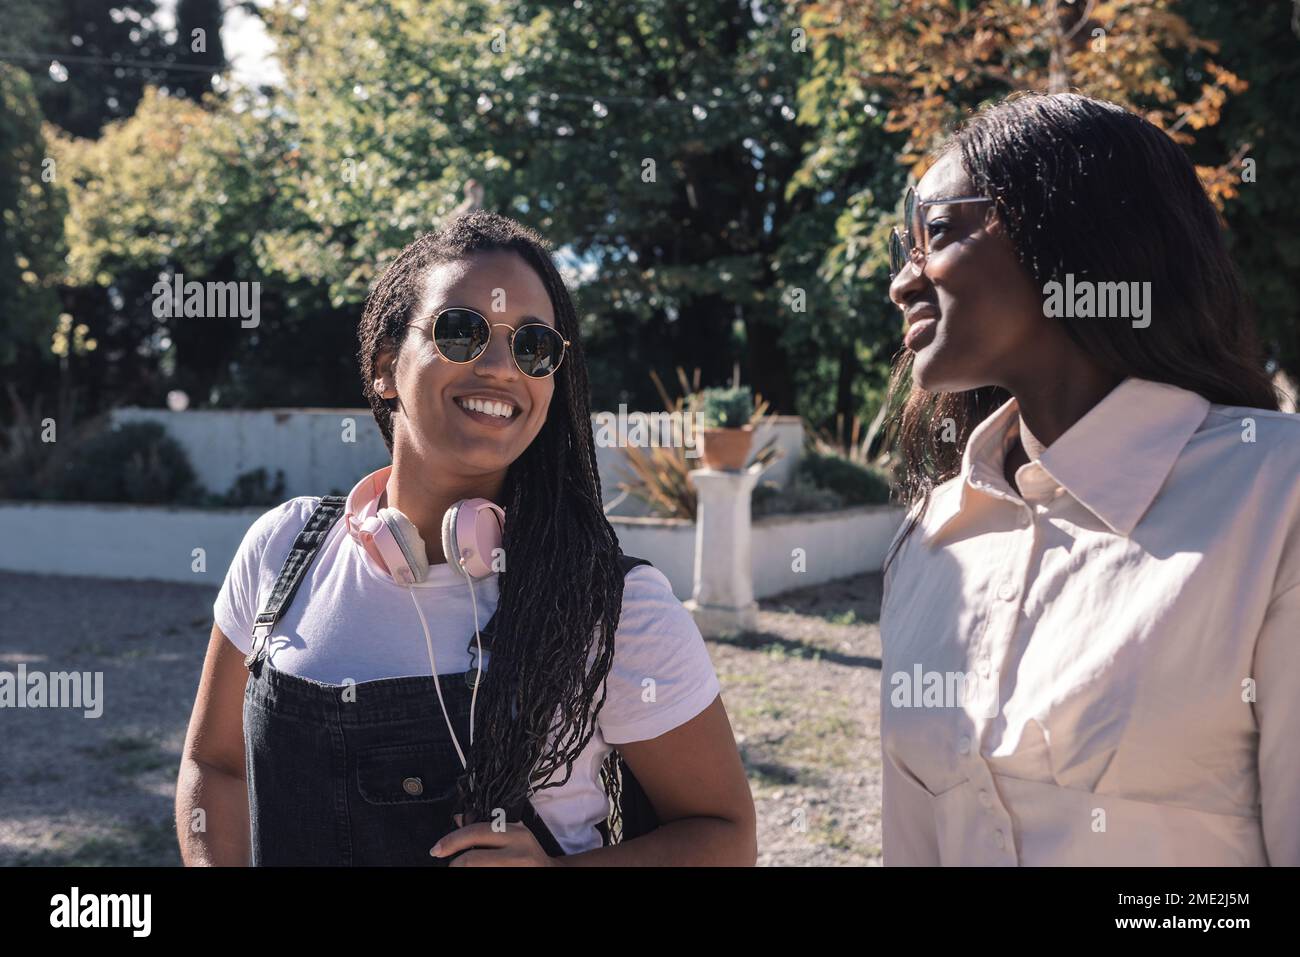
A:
(1114, 460)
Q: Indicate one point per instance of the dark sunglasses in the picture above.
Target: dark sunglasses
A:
(462, 335)
(904, 246)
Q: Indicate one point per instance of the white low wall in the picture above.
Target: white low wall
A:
(315, 448)
(834, 545)
(667, 543)
(158, 542)
(320, 454)
(101, 540)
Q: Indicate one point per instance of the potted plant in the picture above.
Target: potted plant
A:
(725, 418)
(660, 477)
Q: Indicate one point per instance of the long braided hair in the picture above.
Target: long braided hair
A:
(561, 593)
(1086, 187)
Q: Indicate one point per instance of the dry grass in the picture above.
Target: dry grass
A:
(803, 696)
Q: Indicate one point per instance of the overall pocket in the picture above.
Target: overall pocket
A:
(423, 773)
(407, 795)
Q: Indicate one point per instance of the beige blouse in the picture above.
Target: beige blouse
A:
(1107, 670)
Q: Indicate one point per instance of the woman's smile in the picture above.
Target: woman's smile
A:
(492, 411)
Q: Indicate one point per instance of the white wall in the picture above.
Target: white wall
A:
(835, 545)
(668, 543)
(308, 446)
(158, 542)
(120, 541)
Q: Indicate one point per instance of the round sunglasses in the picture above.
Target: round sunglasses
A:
(903, 246)
(461, 335)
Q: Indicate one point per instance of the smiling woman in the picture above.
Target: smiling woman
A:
(445, 357)
(600, 690)
(1104, 541)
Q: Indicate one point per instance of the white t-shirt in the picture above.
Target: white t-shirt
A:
(350, 621)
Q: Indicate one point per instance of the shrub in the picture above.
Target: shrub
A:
(137, 462)
(800, 495)
(250, 489)
(855, 484)
(723, 408)
(660, 476)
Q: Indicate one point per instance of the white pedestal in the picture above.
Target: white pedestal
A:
(722, 601)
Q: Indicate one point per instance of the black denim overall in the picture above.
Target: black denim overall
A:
(362, 774)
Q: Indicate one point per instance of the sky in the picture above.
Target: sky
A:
(248, 49)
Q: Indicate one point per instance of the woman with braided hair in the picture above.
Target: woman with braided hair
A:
(415, 690)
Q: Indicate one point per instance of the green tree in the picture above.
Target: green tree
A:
(655, 142)
(189, 189)
(906, 71)
(90, 60)
(1260, 133)
(31, 228)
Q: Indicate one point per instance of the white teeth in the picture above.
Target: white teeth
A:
(488, 407)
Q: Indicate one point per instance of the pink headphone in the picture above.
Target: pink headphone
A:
(472, 531)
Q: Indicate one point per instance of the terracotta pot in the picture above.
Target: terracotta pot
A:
(726, 449)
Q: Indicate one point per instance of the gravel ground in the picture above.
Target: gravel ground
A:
(802, 692)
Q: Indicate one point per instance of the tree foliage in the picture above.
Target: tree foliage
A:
(718, 177)
(653, 143)
(31, 213)
(923, 65)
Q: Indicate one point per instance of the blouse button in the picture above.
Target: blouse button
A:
(413, 786)
(963, 744)
(985, 798)
(1006, 591)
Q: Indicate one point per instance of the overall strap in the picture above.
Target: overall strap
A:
(300, 557)
(635, 811)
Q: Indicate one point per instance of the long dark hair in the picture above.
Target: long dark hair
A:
(1086, 187)
(562, 588)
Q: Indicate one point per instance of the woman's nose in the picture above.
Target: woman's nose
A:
(905, 286)
(496, 359)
